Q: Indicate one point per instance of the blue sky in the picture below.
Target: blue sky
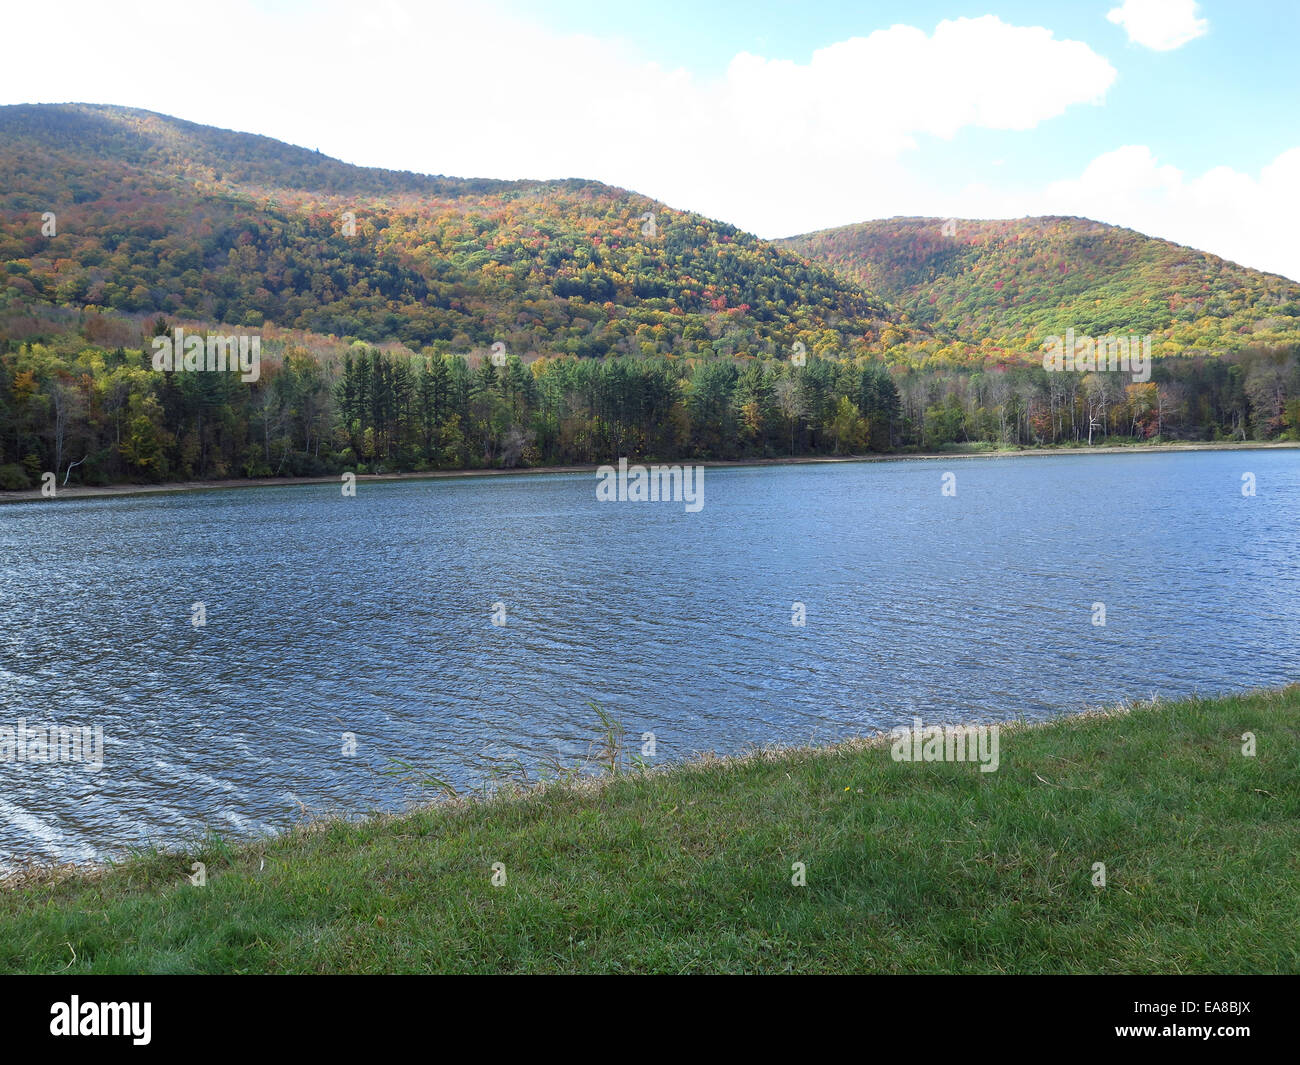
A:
(1173, 117)
(1233, 91)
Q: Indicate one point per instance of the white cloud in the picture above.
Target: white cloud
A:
(1162, 25)
(887, 88)
(1248, 218)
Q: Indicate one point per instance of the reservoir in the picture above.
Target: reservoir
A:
(462, 624)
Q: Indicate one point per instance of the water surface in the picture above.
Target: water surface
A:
(373, 615)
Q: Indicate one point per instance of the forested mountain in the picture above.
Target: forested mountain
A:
(1009, 284)
(155, 215)
(408, 322)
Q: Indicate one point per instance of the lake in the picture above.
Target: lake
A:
(374, 616)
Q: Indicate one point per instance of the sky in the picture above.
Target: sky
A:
(1172, 117)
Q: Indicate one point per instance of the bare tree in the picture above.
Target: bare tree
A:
(65, 402)
(790, 403)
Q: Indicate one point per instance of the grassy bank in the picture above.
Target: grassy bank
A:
(911, 867)
(954, 451)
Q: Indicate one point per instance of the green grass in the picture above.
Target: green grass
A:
(927, 867)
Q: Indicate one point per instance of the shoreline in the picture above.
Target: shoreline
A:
(18, 871)
(689, 867)
(24, 870)
(33, 495)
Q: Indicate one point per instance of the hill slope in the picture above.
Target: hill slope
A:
(157, 215)
(1020, 280)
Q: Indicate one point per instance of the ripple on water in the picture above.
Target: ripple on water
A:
(372, 617)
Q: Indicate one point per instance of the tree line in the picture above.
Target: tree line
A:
(93, 415)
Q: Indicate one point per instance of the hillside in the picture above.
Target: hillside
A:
(626, 328)
(1014, 282)
(156, 215)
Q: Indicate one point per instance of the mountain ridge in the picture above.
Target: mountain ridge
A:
(160, 215)
(1020, 280)
(177, 218)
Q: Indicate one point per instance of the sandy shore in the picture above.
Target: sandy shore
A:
(75, 492)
